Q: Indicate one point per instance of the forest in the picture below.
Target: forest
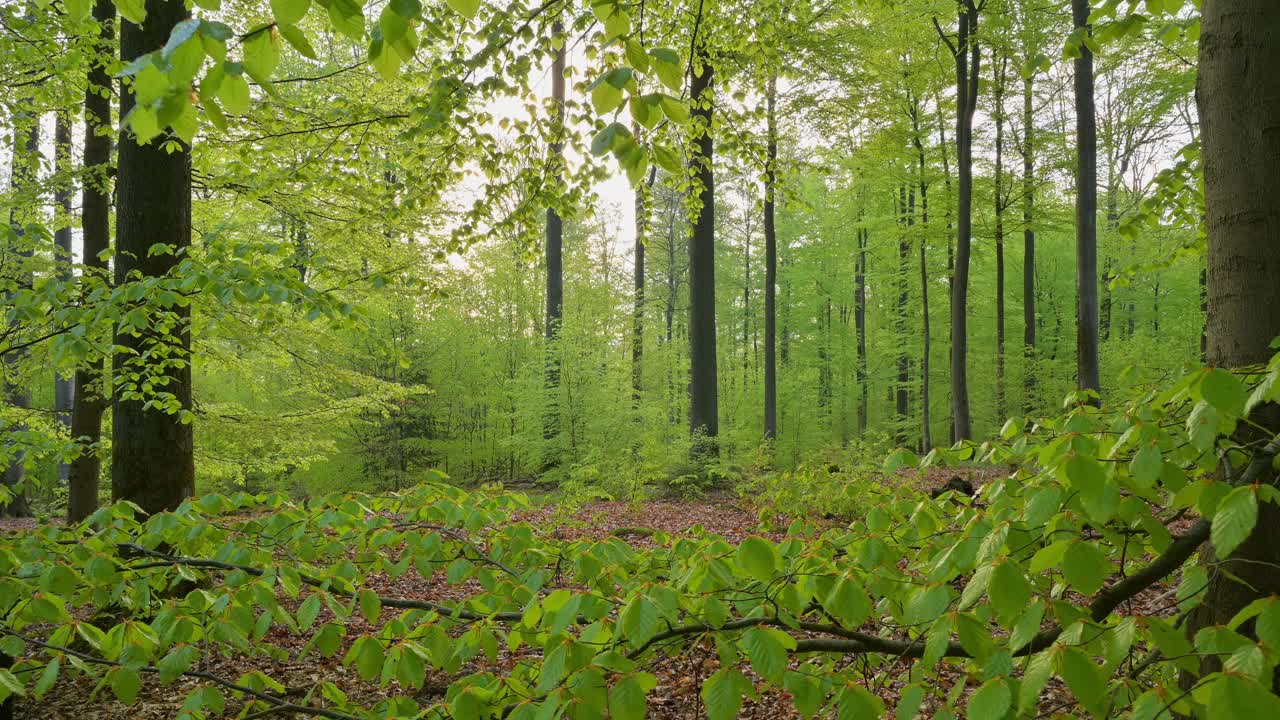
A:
(536, 359)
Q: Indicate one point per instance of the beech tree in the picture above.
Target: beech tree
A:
(152, 456)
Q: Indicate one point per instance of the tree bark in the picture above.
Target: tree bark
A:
(926, 436)
(1028, 246)
(770, 265)
(998, 90)
(902, 399)
(1087, 369)
(95, 223)
(968, 58)
(25, 165)
(704, 421)
(554, 262)
(1238, 94)
(62, 385)
(860, 326)
(152, 450)
(637, 324)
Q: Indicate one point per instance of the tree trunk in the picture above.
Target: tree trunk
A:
(555, 270)
(1087, 370)
(770, 266)
(703, 390)
(152, 460)
(25, 169)
(860, 327)
(95, 217)
(637, 325)
(968, 59)
(1028, 247)
(926, 436)
(62, 387)
(901, 392)
(1238, 94)
(998, 90)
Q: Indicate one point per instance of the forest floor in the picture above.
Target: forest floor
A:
(679, 675)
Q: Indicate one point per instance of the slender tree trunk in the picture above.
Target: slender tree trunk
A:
(902, 404)
(1028, 246)
(24, 161)
(1238, 94)
(770, 265)
(637, 325)
(62, 385)
(555, 269)
(998, 89)
(1087, 369)
(926, 436)
(860, 327)
(704, 413)
(951, 239)
(968, 59)
(152, 450)
(90, 397)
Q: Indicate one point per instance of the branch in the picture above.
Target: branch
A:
(945, 38)
(278, 704)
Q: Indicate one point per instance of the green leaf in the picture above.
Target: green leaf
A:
(1084, 678)
(1085, 567)
(308, 611)
(47, 678)
(627, 696)
(1009, 591)
(126, 683)
(605, 97)
(667, 66)
(638, 621)
(135, 11)
(927, 604)
(848, 602)
(233, 93)
(1224, 391)
(289, 12)
(1146, 465)
(178, 661)
(1234, 520)
(10, 685)
(370, 605)
(298, 40)
(758, 558)
(60, 580)
(991, 701)
(367, 655)
(807, 692)
(857, 703)
(1268, 625)
(465, 8)
(261, 56)
(909, 702)
(1232, 697)
(767, 650)
(722, 693)
(347, 17)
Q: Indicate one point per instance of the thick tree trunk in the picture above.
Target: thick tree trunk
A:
(1028, 247)
(704, 421)
(152, 460)
(95, 217)
(1087, 369)
(1238, 94)
(770, 266)
(555, 270)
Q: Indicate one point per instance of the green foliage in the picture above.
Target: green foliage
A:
(886, 585)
